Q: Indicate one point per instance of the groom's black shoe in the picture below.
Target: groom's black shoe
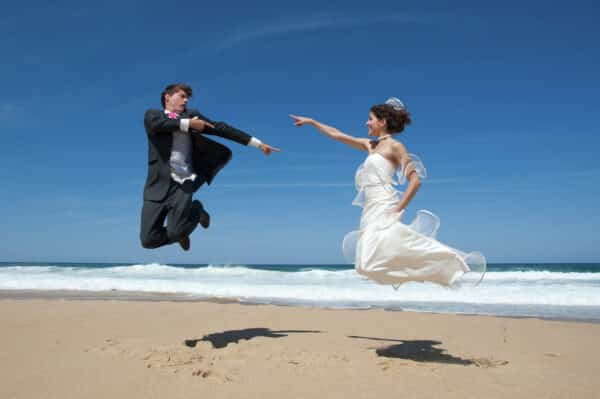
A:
(185, 243)
(204, 218)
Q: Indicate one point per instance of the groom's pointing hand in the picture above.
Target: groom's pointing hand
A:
(267, 149)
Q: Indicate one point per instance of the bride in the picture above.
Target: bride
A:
(385, 249)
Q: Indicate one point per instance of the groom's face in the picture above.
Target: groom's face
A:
(176, 102)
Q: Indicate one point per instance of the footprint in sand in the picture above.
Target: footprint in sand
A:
(184, 360)
(212, 375)
(171, 357)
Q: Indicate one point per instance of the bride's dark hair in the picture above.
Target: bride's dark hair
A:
(396, 118)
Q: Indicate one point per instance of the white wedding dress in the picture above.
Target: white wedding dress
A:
(388, 251)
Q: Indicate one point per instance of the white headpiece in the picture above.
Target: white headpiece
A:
(396, 103)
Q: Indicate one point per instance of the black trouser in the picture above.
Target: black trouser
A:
(176, 207)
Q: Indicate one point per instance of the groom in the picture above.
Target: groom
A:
(180, 160)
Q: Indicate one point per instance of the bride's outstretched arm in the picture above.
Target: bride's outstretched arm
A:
(330, 131)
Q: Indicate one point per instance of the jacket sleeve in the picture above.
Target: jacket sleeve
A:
(222, 129)
(156, 122)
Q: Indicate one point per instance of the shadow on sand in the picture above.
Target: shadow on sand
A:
(417, 350)
(222, 339)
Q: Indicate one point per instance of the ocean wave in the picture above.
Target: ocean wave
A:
(306, 285)
(237, 270)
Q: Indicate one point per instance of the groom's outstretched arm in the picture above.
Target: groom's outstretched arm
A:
(222, 129)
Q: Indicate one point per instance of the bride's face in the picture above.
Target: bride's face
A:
(376, 126)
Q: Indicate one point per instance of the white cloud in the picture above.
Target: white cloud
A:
(312, 23)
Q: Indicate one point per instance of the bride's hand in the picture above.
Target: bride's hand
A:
(300, 120)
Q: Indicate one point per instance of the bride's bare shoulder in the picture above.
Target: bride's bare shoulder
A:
(399, 148)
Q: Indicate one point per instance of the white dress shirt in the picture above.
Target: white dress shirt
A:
(181, 151)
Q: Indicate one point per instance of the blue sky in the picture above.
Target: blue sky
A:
(503, 99)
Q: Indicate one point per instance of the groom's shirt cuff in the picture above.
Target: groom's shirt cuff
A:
(184, 125)
(254, 142)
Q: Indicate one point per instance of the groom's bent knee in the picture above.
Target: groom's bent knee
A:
(182, 230)
(151, 242)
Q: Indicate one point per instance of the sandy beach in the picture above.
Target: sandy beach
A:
(147, 347)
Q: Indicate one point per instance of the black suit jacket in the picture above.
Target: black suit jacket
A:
(208, 156)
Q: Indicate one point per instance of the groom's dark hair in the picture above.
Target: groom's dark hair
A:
(173, 88)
